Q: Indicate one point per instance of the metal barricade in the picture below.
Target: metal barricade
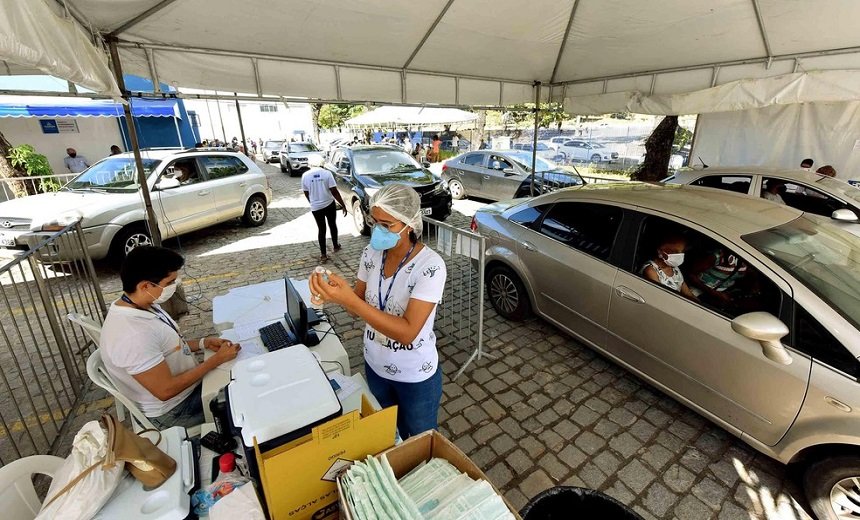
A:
(17, 187)
(460, 315)
(42, 355)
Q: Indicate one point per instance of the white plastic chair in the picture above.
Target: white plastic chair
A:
(98, 374)
(91, 328)
(17, 494)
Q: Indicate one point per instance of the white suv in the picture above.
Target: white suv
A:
(190, 190)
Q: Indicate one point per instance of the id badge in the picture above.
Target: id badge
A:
(381, 338)
(186, 349)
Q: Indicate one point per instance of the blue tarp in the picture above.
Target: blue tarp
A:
(139, 107)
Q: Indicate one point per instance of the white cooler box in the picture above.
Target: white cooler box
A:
(278, 397)
(171, 500)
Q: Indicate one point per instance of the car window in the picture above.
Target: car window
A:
(717, 277)
(736, 183)
(303, 147)
(813, 339)
(474, 159)
(383, 161)
(800, 196)
(497, 162)
(119, 174)
(185, 171)
(530, 216)
(220, 166)
(590, 228)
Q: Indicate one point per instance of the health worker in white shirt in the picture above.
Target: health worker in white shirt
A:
(400, 283)
(143, 350)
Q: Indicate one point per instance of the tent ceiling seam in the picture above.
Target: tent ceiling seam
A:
(427, 34)
(141, 17)
(257, 81)
(75, 13)
(563, 41)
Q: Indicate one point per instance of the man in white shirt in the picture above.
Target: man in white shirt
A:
(75, 163)
(772, 192)
(455, 143)
(321, 191)
(143, 349)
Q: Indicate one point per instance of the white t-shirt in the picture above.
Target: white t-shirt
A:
(318, 182)
(422, 278)
(134, 341)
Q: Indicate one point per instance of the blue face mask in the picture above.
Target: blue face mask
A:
(381, 239)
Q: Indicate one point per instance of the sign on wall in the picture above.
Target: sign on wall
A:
(59, 126)
(49, 126)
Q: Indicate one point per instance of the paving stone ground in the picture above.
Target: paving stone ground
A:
(545, 411)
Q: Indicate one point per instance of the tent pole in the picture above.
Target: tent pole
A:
(535, 140)
(221, 118)
(178, 133)
(211, 122)
(135, 146)
(241, 126)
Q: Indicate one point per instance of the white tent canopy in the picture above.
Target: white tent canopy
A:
(596, 55)
(393, 116)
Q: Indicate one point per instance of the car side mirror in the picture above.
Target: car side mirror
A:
(509, 171)
(343, 172)
(167, 183)
(844, 215)
(767, 329)
(425, 164)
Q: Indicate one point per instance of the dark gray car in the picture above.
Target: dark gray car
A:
(503, 174)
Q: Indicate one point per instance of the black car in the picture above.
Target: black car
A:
(361, 170)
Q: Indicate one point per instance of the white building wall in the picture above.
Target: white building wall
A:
(280, 124)
(93, 140)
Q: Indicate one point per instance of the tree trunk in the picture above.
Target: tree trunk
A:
(658, 151)
(315, 120)
(7, 171)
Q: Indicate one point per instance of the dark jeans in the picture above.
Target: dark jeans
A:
(417, 403)
(188, 413)
(321, 215)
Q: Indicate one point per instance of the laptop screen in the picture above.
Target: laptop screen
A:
(297, 313)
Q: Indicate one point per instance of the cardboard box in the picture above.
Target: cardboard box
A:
(432, 444)
(298, 478)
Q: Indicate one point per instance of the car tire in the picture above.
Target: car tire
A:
(458, 192)
(595, 157)
(821, 480)
(359, 218)
(290, 170)
(127, 239)
(256, 211)
(283, 169)
(508, 294)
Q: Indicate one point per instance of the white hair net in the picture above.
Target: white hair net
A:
(401, 202)
(315, 161)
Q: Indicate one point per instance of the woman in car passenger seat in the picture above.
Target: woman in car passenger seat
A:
(664, 270)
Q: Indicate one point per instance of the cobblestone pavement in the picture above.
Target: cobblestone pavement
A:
(547, 411)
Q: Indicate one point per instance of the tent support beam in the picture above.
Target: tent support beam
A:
(154, 232)
(564, 41)
(257, 81)
(427, 34)
(241, 127)
(150, 59)
(141, 17)
(535, 141)
(760, 19)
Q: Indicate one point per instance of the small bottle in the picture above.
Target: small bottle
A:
(316, 301)
(227, 467)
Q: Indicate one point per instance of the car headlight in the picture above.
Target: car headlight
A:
(441, 187)
(62, 221)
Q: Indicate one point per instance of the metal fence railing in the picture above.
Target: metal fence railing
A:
(42, 355)
(17, 187)
(460, 315)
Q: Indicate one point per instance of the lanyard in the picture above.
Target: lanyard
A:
(158, 314)
(383, 302)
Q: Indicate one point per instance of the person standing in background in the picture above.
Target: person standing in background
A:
(75, 163)
(455, 143)
(114, 150)
(321, 191)
(434, 154)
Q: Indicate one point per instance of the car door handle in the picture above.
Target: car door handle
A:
(528, 246)
(486, 176)
(628, 294)
(243, 184)
(203, 193)
(837, 404)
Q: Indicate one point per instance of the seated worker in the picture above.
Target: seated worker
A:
(773, 191)
(715, 276)
(664, 270)
(143, 350)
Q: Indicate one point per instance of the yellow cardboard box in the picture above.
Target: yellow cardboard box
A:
(298, 478)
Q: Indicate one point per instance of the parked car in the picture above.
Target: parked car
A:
(776, 363)
(294, 156)
(543, 150)
(806, 191)
(503, 174)
(272, 150)
(575, 150)
(190, 190)
(555, 142)
(361, 170)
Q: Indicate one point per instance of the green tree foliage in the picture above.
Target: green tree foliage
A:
(334, 116)
(551, 114)
(25, 158)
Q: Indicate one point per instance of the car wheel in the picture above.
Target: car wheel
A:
(290, 170)
(129, 238)
(832, 487)
(256, 211)
(595, 157)
(457, 190)
(359, 219)
(283, 169)
(508, 294)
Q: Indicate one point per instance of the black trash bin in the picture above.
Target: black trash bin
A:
(573, 503)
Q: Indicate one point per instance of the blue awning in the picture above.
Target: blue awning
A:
(140, 107)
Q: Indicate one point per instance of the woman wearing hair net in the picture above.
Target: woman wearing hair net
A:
(400, 282)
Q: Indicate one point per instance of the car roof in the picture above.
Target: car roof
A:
(797, 174)
(727, 213)
(366, 147)
(169, 153)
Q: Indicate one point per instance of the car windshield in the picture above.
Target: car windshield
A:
(383, 161)
(525, 160)
(840, 187)
(273, 144)
(303, 147)
(824, 257)
(119, 174)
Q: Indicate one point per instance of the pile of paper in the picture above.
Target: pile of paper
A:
(435, 490)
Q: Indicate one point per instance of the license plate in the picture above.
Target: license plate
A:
(6, 240)
(426, 211)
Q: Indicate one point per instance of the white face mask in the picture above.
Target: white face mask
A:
(167, 292)
(674, 259)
